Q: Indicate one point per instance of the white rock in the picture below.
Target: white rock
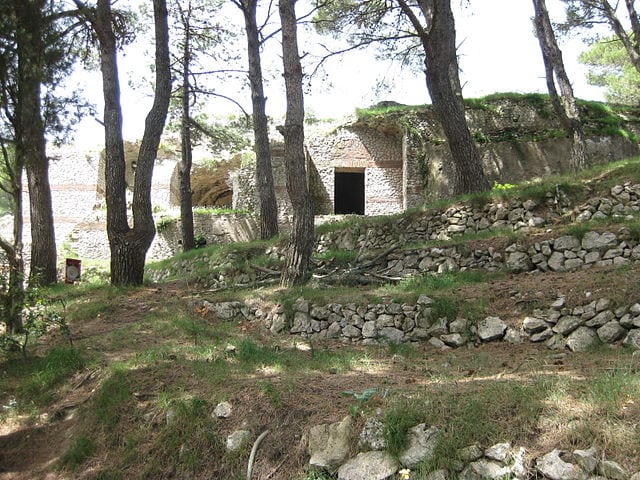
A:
(486, 469)
(369, 466)
(491, 328)
(554, 467)
(237, 439)
(499, 452)
(223, 410)
(329, 443)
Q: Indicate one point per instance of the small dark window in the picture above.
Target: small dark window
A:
(349, 193)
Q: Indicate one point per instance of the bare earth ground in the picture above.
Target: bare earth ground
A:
(29, 446)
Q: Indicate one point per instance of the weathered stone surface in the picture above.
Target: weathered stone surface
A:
(454, 340)
(437, 475)
(491, 328)
(567, 324)
(581, 339)
(518, 262)
(633, 339)
(369, 466)
(237, 439)
(556, 262)
(500, 452)
(301, 322)
(568, 242)
(470, 453)
(587, 459)
(223, 410)
(554, 467)
(600, 319)
(421, 443)
(369, 329)
(611, 332)
(424, 300)
(223, 311)
(372, 435)
(541, 336)
(597, 241)
(392, 334)
(329, 444)
(612, 470)
(485, 469)
(533, 324)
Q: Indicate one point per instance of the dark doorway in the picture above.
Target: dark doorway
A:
(349, 193)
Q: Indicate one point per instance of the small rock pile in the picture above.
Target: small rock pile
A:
(565, 253)
(329, 448)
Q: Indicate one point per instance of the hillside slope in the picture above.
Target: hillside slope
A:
(496, 318)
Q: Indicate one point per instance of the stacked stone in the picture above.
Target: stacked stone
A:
(584, 326)
(558, 326)
(624, 200)
(329, 448)
(457, 220)
(569, 253)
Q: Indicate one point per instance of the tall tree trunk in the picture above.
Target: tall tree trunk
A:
(264, 171)
(438, 40)
(564, 104)
(296, 268)
(31, 143)
(186, 205)
(14, 299)
(129, 245)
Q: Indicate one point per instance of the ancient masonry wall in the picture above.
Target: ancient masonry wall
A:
(377, 153)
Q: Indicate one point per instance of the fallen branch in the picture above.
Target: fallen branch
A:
(265, 270)
(252, 457)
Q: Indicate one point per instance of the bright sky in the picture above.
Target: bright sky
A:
(498, 53)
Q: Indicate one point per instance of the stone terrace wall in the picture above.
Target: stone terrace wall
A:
(558, 326)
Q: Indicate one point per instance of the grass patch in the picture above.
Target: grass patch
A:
(188, 444)
(81, 449)
(399, 418)
(111, 401)
(38, 376)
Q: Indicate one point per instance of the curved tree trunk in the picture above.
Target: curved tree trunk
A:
(438, 39)
(264, 171)
(564, 104)
(296, 268)
(129, 245)
(31, 143)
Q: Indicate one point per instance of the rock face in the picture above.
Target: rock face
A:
(329, 444)
(369, 466)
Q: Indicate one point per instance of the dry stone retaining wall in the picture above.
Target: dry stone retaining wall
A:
(559, 326)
